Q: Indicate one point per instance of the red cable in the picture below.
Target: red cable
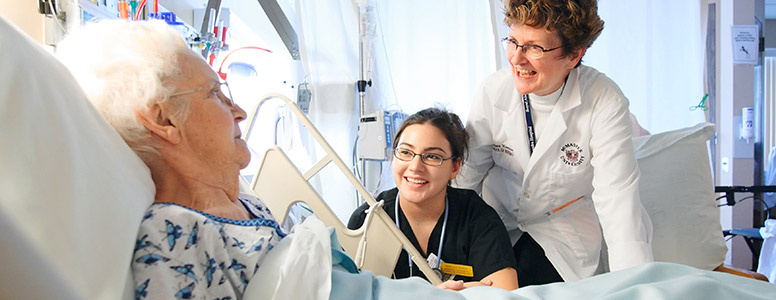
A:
(139, 9)
(223, 75)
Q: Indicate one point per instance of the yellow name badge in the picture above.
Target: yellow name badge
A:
(454, 269)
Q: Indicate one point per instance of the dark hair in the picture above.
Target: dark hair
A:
(576, 21)
(449, 123)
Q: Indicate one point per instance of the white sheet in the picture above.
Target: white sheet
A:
(302, 257)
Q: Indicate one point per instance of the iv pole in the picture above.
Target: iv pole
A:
(362, 83)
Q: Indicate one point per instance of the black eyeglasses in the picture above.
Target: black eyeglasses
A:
(222, 92)
(530, 51)
(431, 159)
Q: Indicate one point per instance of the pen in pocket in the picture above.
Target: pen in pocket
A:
(554, 210)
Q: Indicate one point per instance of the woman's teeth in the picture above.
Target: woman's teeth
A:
(525, 73)
(418, 181)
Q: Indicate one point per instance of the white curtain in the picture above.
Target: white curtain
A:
(653, 49)
(428, 53)
(328, 37)
(432, 52)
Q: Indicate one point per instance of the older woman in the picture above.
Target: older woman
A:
(198, 238)
(551, 149)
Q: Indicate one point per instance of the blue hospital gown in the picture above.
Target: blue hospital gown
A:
(181, 253)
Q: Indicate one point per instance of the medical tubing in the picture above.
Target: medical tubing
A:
(55, 16)
(223, 75)
(361, 250)
(133, 10)
(139, 9)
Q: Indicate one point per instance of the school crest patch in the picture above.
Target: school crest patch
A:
(572, 154)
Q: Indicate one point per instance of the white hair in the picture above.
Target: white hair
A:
(123, 66)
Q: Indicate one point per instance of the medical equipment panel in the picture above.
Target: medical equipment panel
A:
(376, 132)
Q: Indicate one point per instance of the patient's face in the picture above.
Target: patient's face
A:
(418, 182)
(211, 129)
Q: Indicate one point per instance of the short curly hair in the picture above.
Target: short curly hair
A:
(576, 21)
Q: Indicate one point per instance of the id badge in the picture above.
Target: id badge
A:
(436, 264)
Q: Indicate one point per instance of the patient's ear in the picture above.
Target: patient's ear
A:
(157, 119)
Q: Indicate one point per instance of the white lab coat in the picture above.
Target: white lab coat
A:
(584, 150)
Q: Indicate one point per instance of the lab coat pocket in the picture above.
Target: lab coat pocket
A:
(511, 171)
(577, 225)
(504, 157)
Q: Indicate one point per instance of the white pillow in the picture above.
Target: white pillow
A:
(73, 188)
(678, 193)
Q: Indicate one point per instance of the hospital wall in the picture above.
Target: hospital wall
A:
(24, 14)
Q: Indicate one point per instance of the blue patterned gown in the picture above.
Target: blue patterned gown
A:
(183, 253)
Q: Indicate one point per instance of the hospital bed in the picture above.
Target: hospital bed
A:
(72, 195)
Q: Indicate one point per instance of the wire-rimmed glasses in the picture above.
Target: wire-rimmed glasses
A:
(431, 159)
(530, 51)
(223, 92)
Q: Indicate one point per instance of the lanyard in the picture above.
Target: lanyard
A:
(441, 238)
(529, 120)
(529, 123)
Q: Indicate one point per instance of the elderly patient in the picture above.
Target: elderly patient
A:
(198, 238)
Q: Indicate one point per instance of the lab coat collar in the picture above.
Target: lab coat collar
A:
(571, 98)
(556, 125)
(509, 98)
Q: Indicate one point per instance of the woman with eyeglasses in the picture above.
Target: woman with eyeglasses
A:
(449, 226)
(551, 149)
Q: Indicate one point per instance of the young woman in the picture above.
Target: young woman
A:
(452, 224)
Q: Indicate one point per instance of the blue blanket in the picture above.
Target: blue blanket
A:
(651, 281)
(295, 271)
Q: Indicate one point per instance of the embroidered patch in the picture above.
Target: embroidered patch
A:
(503, 149)
(572, 154)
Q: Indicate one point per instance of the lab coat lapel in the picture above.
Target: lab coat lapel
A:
(511, 103)
(556, 124)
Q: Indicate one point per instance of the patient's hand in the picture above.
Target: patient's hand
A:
(457, 285)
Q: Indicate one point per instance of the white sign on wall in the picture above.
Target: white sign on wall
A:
(746, 44)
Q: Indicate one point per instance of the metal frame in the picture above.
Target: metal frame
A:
(282, 26)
